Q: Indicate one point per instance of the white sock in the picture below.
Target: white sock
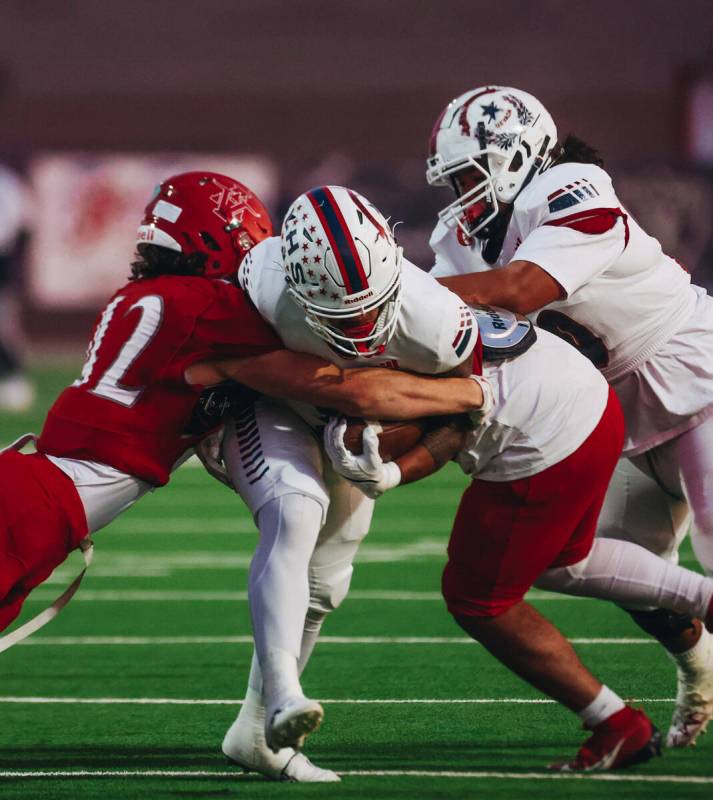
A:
(630, 575)
(279, 588)
(310, 634)
(602, 707)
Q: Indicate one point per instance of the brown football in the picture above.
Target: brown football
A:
(395, 439)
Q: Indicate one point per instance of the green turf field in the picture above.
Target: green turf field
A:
(128, 693)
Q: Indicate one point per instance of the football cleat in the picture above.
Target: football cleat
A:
(244, 744)
(291, 722)
(622, 740)
(694, 697)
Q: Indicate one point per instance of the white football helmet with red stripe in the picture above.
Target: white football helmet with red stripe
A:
(487, 145)
(343, 268)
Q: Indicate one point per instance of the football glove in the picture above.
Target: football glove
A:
(210, 452)
(479, 415)
(367, 471)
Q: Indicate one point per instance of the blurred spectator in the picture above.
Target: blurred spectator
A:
(16, 391)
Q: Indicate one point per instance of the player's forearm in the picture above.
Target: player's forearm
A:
(520, 286)
(389, 394)
(435, 449)
(370, 392)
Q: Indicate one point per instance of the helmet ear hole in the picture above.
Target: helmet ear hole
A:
(516, 162)
(210, 242)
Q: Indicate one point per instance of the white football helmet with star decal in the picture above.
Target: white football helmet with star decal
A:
(488, 144)
(343, 267)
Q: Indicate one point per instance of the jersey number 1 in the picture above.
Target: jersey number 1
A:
(109, 385)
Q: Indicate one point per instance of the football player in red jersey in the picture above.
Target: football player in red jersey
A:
(121, 428)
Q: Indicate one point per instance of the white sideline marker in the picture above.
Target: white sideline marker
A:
(235, 775)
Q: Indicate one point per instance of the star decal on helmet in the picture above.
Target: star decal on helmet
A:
(231, 203)
(491, 111)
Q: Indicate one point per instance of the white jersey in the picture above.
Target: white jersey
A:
(540, 416)
(624, 298)
(434, 334)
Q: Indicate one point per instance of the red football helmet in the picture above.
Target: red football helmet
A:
(204, 212)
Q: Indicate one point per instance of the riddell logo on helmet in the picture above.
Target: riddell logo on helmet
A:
(146, 234)
(357, 298)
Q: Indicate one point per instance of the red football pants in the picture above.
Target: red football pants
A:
(41, 521)
(506, 534)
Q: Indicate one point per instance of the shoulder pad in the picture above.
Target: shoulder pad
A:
(504, 334)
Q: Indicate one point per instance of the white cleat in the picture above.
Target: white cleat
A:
(290, 722)
(694, 698)
(244, 744)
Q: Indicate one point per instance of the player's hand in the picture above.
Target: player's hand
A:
(367, 471)
(210, 451)
(479, 415)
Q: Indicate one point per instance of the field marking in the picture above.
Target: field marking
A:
(181, 701)
(62, 641)
(113, 564)
(364, 773)
(201, 596)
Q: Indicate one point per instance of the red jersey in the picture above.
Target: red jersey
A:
(130, 407)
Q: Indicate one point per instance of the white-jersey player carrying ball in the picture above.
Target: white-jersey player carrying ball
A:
(334, 285)
(537, 226)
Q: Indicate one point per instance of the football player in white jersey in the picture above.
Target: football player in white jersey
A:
(541, 459)
(536, 227)
(334, 285)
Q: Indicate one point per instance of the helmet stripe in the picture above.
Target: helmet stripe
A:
(340, 239)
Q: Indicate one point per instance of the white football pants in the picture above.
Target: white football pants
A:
(653, 498)
(311, 522)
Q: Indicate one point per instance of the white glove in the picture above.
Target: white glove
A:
(210, 451)
(368, 471)
(480, 415)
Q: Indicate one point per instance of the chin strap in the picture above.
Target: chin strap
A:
(85, 545)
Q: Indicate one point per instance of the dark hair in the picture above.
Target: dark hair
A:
(153, 260)
(574, 150)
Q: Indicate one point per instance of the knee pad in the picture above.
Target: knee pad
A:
(328, 586)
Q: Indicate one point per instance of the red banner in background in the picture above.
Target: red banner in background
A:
(86, 210)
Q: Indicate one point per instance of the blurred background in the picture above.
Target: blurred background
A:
(100, 100)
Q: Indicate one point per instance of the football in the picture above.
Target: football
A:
(395, 439)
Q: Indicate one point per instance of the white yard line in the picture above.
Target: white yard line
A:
(609, 777)
(178, 701)
(127, 564)
(64, 641)
(200, 596)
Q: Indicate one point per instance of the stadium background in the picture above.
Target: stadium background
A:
(98, 100)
